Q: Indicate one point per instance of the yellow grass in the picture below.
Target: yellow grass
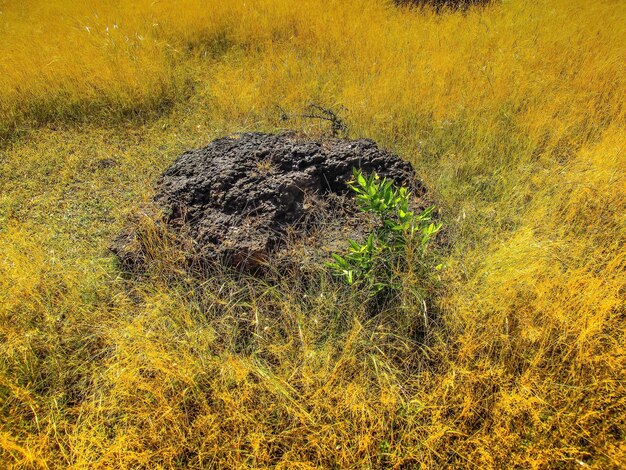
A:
(513, 115)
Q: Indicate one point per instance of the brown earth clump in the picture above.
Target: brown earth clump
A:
(238, 198)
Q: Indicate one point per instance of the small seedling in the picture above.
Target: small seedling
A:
(375, 261)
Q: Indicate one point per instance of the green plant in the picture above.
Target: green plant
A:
(378, 261)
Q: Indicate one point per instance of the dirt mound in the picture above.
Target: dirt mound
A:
(237, 197)
(442, 5)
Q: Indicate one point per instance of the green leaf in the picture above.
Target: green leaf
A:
(375, 262)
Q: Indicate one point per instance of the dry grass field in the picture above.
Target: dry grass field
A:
(514, 116)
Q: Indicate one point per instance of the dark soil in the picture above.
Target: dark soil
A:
(239, 197)
(443, 5)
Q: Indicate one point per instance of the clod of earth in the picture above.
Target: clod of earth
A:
(238, 197)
